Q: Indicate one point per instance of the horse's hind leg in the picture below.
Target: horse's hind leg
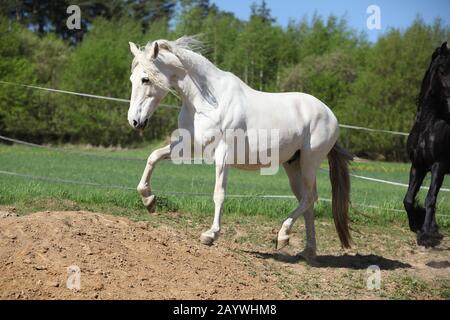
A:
(429, 236)
(310, 249)
(416, 214)
(303, 184)
(143, 187)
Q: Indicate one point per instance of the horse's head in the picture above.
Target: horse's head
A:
(150, 80)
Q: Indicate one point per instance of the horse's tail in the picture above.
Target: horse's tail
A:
(339, 159)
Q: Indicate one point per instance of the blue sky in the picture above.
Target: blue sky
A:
(394, 13)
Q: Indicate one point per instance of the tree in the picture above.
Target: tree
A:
(191, 17)
(149, 12)
(255, 56)
(17, 109)
(46, 16)
(220, 32)
(262, 11)
(327, 77)
(318, 37)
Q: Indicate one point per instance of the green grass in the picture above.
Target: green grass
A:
(29, 195)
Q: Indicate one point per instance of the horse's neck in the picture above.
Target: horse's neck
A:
(432, 106)
(431, 101)
(198, 88)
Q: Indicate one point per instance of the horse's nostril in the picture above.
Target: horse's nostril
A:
(135, 123)
(145, 123)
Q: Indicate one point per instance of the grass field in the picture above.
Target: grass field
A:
(107, 167)
(381, 234)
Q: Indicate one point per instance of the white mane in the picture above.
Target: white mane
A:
(177, 47)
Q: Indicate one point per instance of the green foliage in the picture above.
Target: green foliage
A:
(256, 58)
(220, 32)
(16, 107)
(49, 16)
(328, 77)
(385, 93)
(372, 85)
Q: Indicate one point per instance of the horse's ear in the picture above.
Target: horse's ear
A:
(155, 50)
(134, 49)
(444, 48)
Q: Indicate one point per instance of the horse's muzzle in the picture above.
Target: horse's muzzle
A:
(140, 125)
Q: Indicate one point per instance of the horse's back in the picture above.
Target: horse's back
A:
(290, 106)
(303, 120)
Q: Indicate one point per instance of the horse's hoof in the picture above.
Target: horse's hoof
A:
(280, 243)
(150, 203)
(416, 217)
(207, 239)
(437, 234)
(428, 239)
(308, 253)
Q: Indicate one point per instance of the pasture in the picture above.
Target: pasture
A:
(72, 225)
(104, 179)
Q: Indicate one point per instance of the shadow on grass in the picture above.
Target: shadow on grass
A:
(356, 262)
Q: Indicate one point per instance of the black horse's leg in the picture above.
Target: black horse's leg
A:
(416, 214)
(429, 236)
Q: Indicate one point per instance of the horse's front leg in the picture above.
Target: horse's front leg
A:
(416, 214)
(144, 188)
(429, 235)
(208, 237)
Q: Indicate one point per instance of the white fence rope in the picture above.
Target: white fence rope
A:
(87, 95)
(392, 182)
(374, 130)
(94, 184)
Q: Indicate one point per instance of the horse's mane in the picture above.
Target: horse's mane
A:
(192, 43)
(425, 88)
(180, 47)
(429, 99)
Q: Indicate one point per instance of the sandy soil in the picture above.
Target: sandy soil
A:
(118, 258)
(122, 259)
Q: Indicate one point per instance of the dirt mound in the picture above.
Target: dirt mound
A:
(117, 258)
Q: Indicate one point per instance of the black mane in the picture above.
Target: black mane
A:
(431, 98)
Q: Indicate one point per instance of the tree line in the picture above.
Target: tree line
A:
(366, 84)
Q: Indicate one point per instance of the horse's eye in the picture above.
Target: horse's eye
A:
(145, 80)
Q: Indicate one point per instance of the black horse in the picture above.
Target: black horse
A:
(429, 147)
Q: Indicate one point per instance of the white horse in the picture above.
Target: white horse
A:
(215, 100)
